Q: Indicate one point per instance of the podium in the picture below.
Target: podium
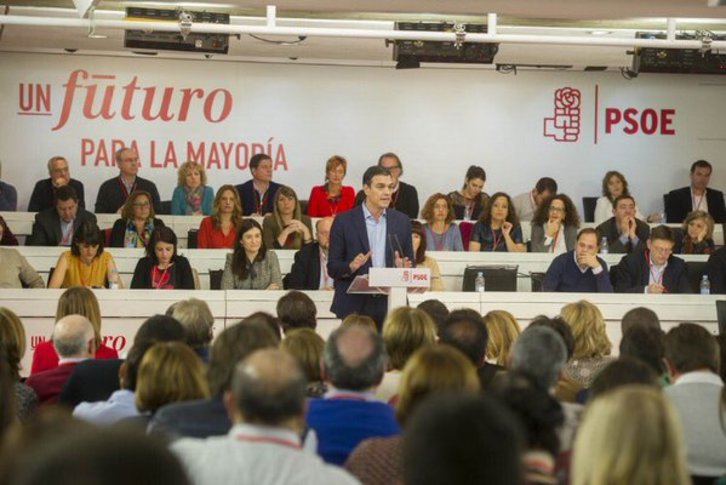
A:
(394, 282)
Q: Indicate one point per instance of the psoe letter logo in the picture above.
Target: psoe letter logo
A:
(564, 126)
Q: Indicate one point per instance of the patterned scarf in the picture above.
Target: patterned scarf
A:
(193, 200)
(133, 239)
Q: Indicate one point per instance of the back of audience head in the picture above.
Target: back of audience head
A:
(73, 336)
(169, 372)
(79, 300)
(296, 309)
(406, 330)
(268, 388)
(539, 353)
(354, 358)
(356, 319)
(88, 455)
(307, 347)
(559, 325)
(8, 416)
(267, 319)
(622, 372)
(630, 435)
(197, 320)
(160, 328)
(588, 329)
(503, 330)
(645, 344)
(639, 316)
(233, 345)
(462, 439)
(436, 310)
(539, 413)
(466, 331)
(430, 371)
(689, 348)
(12, 341)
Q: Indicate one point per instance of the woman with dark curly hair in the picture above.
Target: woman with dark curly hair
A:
(441, 232)
(554, 226)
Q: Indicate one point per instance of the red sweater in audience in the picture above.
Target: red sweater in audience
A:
(319, 205)
(210, 237)
(45, 356)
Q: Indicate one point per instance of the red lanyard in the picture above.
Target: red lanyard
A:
(124, 190)
(497, 240)
(268, 439)
(438, 239)
(156, 283)
(260, 202)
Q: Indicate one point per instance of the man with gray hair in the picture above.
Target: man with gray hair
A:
(8, 195)
(198, 322)
(43, 196)
(113, 192)
(540, 354)
(74, 341)
(354, 361)
(267, 406)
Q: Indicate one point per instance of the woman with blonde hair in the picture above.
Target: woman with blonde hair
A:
(503, 331)
(192, 196)
(630, 435)
(307, 347)
(405, 330)
(12, 345)
(592, 345)
(77, 300)
(286, 227)
(333, 197)
(697, 234)
(432, 370)
(169, 372)
(219, 230)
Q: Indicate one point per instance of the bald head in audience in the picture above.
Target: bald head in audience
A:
(73, 337)
(268, 388)
(354, 358)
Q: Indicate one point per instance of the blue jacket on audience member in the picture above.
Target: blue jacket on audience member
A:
(564, 275)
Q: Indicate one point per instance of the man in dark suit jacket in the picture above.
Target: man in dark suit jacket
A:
(75, 341)
(623, 231)
(113, 192)
(368, 235)
(55, 226)
(91, 380)
(404, 197)
(305, 273)
(258, 195)
(653, 270)
(43, 196)
(679, 202)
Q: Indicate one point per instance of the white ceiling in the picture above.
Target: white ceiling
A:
(619, 18)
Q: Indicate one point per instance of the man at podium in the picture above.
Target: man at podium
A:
(368, 235)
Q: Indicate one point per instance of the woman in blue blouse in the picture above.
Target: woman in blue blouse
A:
(442, 234)
(498, 228)
(192, 196)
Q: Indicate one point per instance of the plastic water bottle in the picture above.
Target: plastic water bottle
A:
(113, 282)
(604, 245)
(705, 285)
(479, 283)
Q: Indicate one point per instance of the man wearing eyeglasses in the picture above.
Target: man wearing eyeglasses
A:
(43, 196)
(113, 192)
(653, 269)
(405, 196)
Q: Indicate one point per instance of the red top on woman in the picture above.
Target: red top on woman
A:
(320, 205)
(210, 237)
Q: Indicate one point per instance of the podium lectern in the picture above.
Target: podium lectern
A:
(395, 282)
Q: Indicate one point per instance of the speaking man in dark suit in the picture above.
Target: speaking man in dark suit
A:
(653, 270)
(43, 196)
(310, 269)
(369, 235)
(679, 202)
(55, 226)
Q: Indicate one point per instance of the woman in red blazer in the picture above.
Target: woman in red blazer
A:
(333, 197)
(76, 300)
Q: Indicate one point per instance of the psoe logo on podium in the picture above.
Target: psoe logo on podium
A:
(564, 124)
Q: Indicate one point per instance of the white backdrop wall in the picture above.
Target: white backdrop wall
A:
(438, 120)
